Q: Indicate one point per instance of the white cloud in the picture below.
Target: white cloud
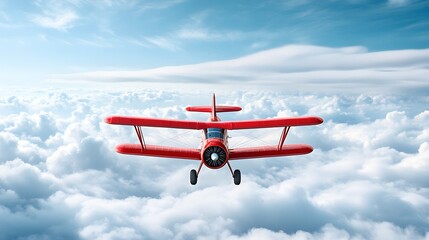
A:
(35, 184)
(297, 67)
(60, 176)
(59, 19)
(89, 153)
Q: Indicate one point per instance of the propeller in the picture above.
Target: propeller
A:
(214, 156)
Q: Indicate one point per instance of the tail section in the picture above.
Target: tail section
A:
(213, 109)
(214, 117)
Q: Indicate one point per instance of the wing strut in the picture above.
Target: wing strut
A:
(283, 137)
(140, 136)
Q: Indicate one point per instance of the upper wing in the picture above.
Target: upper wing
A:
(159, 151)
(153, 122)
(269, 151)
(273, 122)
(230, 125)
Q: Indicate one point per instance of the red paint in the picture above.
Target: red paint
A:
(214, 122)
(230, 125)
(159, 151)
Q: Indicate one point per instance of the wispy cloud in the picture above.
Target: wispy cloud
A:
(398, 3)
(139, 42)
(96, 41)
(166, 42)
(163, 42)
(197, 33)
(195, 29)
(148, 5)
(302, 67)
(59, 19)
(258, 45)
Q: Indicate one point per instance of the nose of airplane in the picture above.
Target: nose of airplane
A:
(214, 156)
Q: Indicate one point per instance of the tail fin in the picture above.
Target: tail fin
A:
(214, 117)
(213, 109)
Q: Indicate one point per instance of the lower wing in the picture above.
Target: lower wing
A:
(159, 151)
(269, 151)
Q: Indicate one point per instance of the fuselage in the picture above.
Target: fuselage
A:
(214, 148)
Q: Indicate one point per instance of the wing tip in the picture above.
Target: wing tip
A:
(298, 149)
(119, 148)
(319, 120)
(109, 120)
(127, 148)
(309, 149)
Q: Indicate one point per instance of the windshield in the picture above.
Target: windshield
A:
(214, 133)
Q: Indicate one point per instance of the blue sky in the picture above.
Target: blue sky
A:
(41, 38)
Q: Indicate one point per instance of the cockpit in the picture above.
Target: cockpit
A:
(215, 133)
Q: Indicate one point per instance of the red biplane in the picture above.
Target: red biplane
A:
(214, 152)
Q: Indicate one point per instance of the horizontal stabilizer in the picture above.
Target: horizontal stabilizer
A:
(208, 109)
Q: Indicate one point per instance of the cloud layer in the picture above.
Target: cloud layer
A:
(301, 67)
(60, 177)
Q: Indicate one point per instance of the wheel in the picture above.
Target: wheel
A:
(194, 177)
(237, 177)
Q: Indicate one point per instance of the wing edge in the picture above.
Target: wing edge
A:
(269, 151)
(159, 151)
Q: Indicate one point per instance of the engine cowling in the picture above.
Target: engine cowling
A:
(215, 155)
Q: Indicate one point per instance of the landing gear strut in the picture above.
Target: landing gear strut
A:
(236, 174)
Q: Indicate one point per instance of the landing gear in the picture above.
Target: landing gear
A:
(236, 174)
(237, 177)
(194, 177)
(194, 174)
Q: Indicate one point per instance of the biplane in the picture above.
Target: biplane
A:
(214, 152)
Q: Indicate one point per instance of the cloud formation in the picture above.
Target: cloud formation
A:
(60, 176)
(56, 18)
(301, 67)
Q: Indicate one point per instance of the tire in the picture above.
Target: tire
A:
(193, 177)
(237, 177)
